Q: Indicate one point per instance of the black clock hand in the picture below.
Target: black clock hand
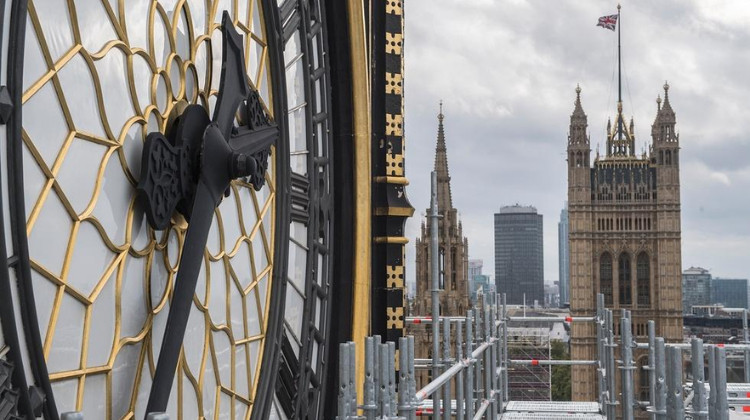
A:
(253, 141)
(218, 166)
(233, 87)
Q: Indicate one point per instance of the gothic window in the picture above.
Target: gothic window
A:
(661, 157)
(643, 279)
(605, 277)
(453, 269)
(441, 276)
(623, 268)
(643, 378)
(668, 159)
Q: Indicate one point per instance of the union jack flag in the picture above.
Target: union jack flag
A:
(608, 22)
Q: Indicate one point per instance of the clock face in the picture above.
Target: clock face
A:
(98, 76)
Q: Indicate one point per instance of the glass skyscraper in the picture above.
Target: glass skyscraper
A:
(732, 293)
(696, 288)
(519, 256)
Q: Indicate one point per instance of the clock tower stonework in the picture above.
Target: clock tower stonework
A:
(624, 224)
(453, 261)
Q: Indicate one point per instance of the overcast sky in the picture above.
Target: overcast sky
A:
(507, 71)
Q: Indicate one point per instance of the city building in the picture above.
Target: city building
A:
(480, 286)
(563, 256)
(519, 255)
(730, 293)
(624, 234)
(552, 295)
(475, 268)
(453, 261)
(696, 288)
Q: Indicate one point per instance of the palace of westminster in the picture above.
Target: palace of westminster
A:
(624, 238)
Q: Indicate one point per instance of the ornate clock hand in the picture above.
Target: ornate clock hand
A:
(219, 164)
(233, 87)
(253, 141)
(216, 153)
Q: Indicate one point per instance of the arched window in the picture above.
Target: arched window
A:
(605, 277)
(441, 276)
(454, 263)
(643, 280)
(668, 160)
(643, 379)
(623, 267)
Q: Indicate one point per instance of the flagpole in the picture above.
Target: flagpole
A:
(619, 74)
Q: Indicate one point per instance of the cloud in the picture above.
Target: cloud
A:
(507, 70)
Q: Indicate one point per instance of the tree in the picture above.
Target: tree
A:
(560, 373)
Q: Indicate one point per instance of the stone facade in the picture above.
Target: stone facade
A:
(563, 257)
(454, 262)
(624, 235)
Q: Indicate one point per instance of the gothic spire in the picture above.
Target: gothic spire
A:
(578, 110)
(666, 107)
(663, 128)
(578, 123)
(445, 201)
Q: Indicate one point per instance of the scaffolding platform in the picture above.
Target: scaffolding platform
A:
(546, 416)
(552, 409)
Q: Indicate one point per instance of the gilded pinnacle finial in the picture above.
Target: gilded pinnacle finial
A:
(440, 115)
(578, 89)
(666, 87)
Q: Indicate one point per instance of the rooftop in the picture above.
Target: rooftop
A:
(517, 208)
(695, 270)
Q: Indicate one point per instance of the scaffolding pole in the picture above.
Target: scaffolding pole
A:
(435, 293)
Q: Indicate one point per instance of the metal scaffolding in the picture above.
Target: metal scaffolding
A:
(478, 370)
(529, 381)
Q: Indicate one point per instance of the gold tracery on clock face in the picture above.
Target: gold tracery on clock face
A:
(98, 76)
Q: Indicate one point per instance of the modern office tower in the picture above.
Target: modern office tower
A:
(696, 288)
(731, 293)
(624, 234)
(519, 255)
(564, 256)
